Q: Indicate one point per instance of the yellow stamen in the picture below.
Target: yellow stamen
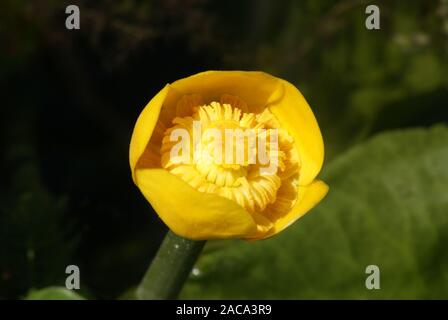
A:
(235, 174)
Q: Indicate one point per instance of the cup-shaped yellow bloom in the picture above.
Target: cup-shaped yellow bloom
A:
(228, 154)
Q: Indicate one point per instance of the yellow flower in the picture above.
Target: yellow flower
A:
(201, 196)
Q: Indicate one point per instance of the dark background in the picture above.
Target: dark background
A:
(70, 98)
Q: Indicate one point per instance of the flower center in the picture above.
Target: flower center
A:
(238, 155)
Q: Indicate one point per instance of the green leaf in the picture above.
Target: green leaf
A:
(53, 293)
(387, 206)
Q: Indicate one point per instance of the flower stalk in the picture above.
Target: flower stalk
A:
(170, 268)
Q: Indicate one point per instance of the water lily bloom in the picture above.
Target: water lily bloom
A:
(247, 165)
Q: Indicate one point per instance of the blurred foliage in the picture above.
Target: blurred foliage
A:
(37, 239)
(54, 293)
(70, 99)
(387, 206)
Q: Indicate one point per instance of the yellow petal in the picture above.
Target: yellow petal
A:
(253, 87)
(296, 116)
(308, 197)
(144, 127)
(190, 213)
(259, 90)
(198, 215)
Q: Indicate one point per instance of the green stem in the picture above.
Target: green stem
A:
(170, 268)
